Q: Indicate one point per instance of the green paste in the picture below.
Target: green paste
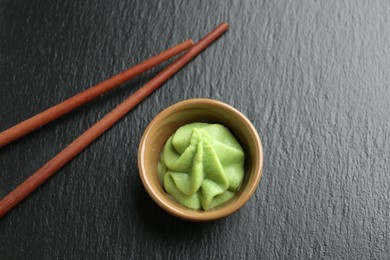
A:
(201, 165)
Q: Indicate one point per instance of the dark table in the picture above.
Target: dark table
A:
(312, 76)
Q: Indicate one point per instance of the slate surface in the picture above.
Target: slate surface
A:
(311, 75)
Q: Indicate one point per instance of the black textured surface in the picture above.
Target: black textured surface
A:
(311, 75)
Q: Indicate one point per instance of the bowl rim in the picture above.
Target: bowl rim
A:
(189, 214)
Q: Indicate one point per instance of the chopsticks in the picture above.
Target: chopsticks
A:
(68, 105)
(67, 154)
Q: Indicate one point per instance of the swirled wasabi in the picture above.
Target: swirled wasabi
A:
(201, 165)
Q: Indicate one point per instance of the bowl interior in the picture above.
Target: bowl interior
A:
(199, 110)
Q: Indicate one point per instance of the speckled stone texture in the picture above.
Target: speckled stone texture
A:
(312, 76)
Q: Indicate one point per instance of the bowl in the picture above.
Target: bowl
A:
(199, 110)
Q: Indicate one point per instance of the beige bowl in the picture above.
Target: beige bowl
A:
(199, 110)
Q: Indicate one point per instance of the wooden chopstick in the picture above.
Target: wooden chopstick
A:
(52, 166)
(41, 119)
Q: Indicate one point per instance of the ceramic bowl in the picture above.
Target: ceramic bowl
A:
(199, 110)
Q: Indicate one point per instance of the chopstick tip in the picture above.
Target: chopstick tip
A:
(188, 43)
(225, 25)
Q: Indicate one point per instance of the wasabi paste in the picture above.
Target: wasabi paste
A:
(201, 165)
